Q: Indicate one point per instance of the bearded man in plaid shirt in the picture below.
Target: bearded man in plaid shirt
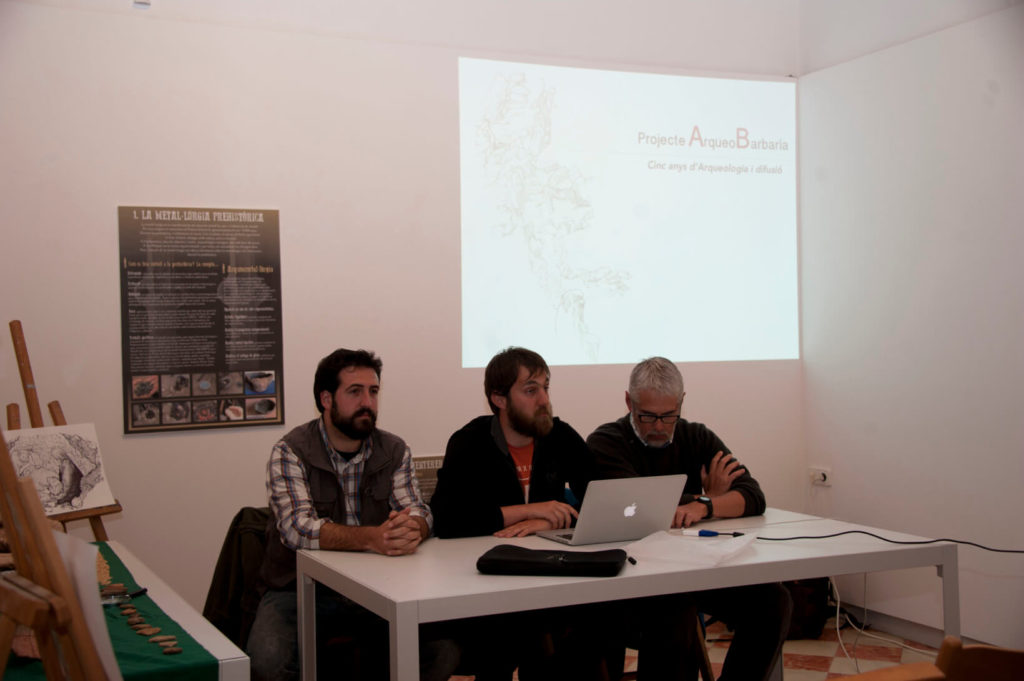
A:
(339, 483)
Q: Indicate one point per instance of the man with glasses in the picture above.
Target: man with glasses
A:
(652, 439)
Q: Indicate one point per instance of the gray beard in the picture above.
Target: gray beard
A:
(640, 437)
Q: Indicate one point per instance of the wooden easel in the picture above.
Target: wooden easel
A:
(39, 593)
(35, 416)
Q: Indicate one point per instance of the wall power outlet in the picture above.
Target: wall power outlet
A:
(821, 476)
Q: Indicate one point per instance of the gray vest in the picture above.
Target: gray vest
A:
(328, 498)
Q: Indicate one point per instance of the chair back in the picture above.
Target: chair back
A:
(236, 587)
(979, 662)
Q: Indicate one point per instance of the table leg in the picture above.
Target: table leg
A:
(405, 642)
(950, 574)
(307, 627)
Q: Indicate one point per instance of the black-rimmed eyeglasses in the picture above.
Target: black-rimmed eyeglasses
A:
(667, 419)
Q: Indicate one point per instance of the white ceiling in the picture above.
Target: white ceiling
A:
(775, 37)
(835, 31)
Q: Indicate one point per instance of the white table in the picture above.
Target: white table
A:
(440, 581)
(233, 663)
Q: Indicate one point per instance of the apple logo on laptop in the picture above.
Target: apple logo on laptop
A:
(630, 510)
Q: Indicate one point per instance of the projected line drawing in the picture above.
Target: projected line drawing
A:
(572, 246)
(545, 203)
(65, 465)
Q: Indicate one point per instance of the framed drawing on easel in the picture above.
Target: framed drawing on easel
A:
(83, 486)
(64, 463)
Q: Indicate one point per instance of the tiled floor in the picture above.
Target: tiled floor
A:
(816, 660)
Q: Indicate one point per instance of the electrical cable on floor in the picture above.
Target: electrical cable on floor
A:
(849, 619)
(839, 634)
(862, 628)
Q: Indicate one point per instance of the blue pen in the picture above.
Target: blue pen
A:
(709, 533)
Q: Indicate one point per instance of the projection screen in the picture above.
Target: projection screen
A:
(608, 216)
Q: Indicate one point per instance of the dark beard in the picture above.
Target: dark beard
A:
(539, 425)
(349, 428)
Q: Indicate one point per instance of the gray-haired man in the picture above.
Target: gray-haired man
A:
(652, 439)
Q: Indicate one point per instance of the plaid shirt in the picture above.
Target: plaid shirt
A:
(292, 505)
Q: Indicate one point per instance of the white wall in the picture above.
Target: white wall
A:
(913, 307)
(342, 116)
(348, 127)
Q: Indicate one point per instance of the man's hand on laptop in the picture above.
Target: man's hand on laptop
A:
(557, 513)
(524, 528)
(688, 514)
(718, 477)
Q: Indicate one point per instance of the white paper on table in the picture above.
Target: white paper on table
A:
(80, 560)
(697, 552)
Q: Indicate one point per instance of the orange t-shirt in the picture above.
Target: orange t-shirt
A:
(523, 458)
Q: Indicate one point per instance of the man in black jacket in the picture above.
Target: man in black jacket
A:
(510, 474)
(506, 474)
(652, 439)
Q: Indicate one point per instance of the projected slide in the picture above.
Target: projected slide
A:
(609, 216)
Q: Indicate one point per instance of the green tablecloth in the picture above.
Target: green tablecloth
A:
(136, 656)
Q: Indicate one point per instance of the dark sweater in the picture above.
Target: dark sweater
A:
(619, 453)
(478, 476)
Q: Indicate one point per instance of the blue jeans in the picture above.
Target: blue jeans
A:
(352, 642)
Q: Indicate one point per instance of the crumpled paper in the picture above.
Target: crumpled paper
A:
(696, 552)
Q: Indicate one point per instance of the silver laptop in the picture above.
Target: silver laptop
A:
(623, 509)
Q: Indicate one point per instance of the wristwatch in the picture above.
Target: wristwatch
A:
(707, 502)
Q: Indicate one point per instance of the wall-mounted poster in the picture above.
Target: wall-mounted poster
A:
(65, 465)
(200, 318)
